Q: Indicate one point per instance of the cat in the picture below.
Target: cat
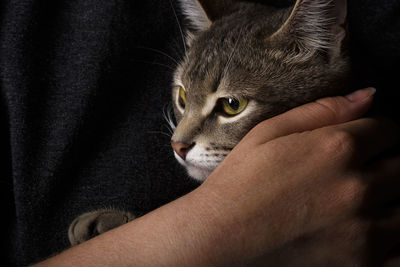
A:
(244, 62)
(248, 62)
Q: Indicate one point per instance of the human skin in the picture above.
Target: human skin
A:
(289, 193)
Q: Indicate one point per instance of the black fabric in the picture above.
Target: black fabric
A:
(81, 110)
(82, 115)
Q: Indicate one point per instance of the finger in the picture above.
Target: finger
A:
(323, 112)
(368, 138)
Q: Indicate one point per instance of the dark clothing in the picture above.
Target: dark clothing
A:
(81, 109)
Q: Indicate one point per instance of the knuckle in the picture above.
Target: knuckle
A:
(353, 191)
(338, 143)
(331, 107)
(348, 196)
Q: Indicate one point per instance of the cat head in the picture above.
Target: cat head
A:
(246, 62)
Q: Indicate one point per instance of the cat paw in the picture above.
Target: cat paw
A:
(91, 224)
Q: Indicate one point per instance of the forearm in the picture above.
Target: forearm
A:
(186, 232)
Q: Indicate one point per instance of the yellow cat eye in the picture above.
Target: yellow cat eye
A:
(182, 97)
(233, 106)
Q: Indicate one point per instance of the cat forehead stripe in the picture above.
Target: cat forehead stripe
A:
(209, 105)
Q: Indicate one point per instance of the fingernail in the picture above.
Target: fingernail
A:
(361, 95)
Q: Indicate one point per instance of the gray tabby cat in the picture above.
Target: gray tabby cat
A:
(245, 62)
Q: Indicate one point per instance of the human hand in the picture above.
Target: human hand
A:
(290, 193)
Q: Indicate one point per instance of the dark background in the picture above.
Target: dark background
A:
(81, 108)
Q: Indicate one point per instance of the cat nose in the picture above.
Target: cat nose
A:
(181, 148)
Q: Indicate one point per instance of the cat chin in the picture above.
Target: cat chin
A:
(200, 174)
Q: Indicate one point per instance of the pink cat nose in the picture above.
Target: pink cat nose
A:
(181, 148)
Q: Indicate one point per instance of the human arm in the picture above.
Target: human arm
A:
(264, 198)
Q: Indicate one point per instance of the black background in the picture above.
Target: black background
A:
(82, 100)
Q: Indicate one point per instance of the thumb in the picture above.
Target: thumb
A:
(317, 114)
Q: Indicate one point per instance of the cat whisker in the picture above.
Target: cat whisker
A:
(154, 63)
(167, 114)
(160, 132)
(170, 131)
(160, 52)
(179, 25)
(176, 49)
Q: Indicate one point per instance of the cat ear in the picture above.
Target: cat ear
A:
(202, 13)
(315, 25)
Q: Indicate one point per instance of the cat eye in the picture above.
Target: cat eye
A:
(233, 106)
(182, 97)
